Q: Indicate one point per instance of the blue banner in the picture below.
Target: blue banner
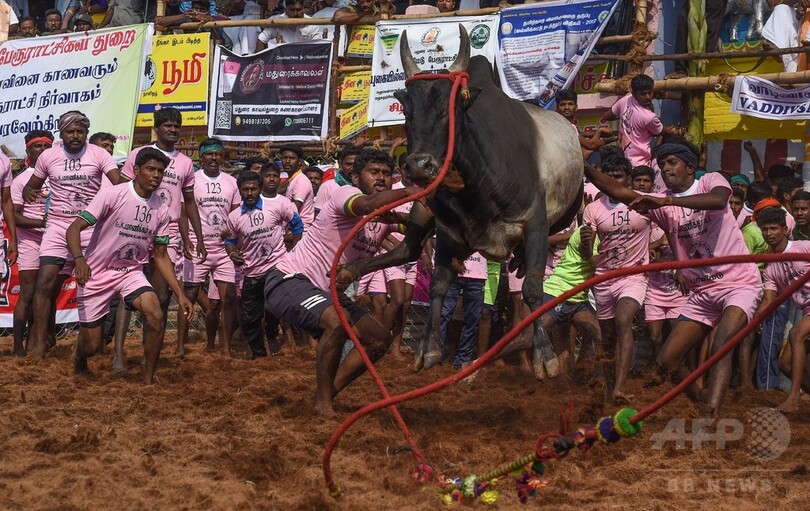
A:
(542, 46)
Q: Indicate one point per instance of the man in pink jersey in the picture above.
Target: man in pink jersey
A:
(297, 289)
(779, 276)
(256, 243)
(638, 124)
(345, 158)
(176, 191)
(699, 225)
(625, 241)
(216, 195)
(298, 187)
(30, 220)
(74, 172)
(129, 222)
(8, 248)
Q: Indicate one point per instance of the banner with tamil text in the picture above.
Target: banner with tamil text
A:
(97, 73)
(176, 75)
(281, 93)
(434, 44)
(761, 98)
(542, 46)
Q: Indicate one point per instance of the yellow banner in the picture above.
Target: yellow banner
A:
(354, 87)
(721, 124)
(176, 75)
(354, 120)
(361, 43)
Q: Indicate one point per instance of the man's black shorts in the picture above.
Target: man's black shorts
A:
(565, 311)
(296, 300)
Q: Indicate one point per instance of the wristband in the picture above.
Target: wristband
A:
(78, 257)
(668, 201)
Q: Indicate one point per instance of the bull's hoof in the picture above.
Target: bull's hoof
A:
(432, 358)
(418, 360)
(552, 366)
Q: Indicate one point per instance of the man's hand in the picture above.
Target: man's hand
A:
(32, 195)
(344, 277)
(748, 146)
(646, 203)
(682, 284)
(202, 253)
(237, 258)
(186, 306)
(82, 271)
(586, 236)
(11, 253)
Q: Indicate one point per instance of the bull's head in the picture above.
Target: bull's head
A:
(426, 108)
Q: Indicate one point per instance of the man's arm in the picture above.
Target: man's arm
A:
(108, 15)
(25, 222)
(348, 16)
(8, 213)
(296, 226)
(114, 175)
(33, 189)
(759, 172)
(193, 216)
(166, 268)
(610, 186)
(74, 243)
(361, 205)
(767, 298)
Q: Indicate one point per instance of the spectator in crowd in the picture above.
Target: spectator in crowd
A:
(446, 5)
(275, 35)
(364, 12)
(27, 28)
(315, 176)
(8, 21)
(104, 140)
(67, 8)
(82, 23)
(53, 22)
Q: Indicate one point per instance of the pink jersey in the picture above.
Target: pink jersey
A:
(299, 189)
(259, 232)
(5, 175)
(216, 198)
(638, 126)
(624, 235)
(779, 275)
(325, 192)
(476, 267)
(695, 234)
(177, 178)
(126, 228)
(34, 210)
(313, 255)
(662, 288)
(404, 209)
(74, 179)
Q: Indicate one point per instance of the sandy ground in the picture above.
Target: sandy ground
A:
(219, 433)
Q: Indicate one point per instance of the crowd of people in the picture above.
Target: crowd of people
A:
(254, 248)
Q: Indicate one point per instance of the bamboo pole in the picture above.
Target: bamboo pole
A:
(705, 83)
(708, 55)
(332, 129)
(353, 69)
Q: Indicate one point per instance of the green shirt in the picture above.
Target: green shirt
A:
(754, 241)
(571, 271)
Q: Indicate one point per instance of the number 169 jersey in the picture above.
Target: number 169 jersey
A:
(126, 228)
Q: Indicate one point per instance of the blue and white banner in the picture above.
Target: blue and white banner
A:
(758, 97)
(542, 46)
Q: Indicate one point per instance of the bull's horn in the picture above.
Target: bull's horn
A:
(408, 63)
(463, 57)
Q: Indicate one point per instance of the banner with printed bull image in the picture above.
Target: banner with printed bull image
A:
(434, 44)
(543, 46)
(97, 73)
(279, 94)
(761, 98)
(176, 75)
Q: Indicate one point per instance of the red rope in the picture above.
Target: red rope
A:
(459, 79)
(527, 321)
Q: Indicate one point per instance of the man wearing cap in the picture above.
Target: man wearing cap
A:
(699, 224)
(73, 171)
(299, 188)
(82, 23)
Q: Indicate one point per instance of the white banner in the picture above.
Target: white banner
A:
(97, 73)
(760, 98)
(542, 46)
(434, 44)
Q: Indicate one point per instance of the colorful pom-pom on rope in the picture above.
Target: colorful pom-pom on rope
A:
(605, 431)
(337, 493)
(422, 473)
(622, 424)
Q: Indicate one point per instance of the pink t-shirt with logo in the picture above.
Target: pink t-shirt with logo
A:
(638, 126)
(694, 234)
(404, 209)
(126, 228)
(779, 275)
(5, 176)
(299, 189)
(476, 267)
(33, 210)
(74, 179)
(178, 177)
(662, 288)
(624, 235)
(216, 197)
(325, 192)
(260, 233)
(313, 255)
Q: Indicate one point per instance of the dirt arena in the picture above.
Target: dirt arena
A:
(219, 433)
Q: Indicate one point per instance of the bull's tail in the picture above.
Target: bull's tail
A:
(569, 215)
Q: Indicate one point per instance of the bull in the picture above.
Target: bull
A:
(521, 175)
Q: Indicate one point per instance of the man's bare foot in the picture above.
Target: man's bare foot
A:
(181, 354)
(791, 405)
(226, 350)
(619, 398)
(324, 409)
(37, 351)
(118, 366)
(19, 351)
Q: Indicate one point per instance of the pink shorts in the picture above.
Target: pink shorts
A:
(610, 292)
(94, 298)
(707, 306)
(213, 290)
(406, 272)
(28, 253)
(659, 313)
(54, 246)
(372, 283)
(217, 264)
(515, 284)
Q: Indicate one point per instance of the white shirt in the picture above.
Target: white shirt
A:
(290, 34)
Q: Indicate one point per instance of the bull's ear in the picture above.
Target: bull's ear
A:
(472, 93)
(401, 95)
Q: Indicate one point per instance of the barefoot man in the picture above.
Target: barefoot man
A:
(129, 221)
